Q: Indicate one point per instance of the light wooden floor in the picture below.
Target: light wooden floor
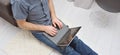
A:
(100, 30)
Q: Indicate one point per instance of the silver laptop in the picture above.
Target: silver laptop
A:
(64, 36)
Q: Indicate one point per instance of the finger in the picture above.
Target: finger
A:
(50, 34)
(59, 25)
(55, 31)
(53, 34)
(54, 24)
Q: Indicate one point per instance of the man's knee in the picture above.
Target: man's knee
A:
(70, 51)
(75, 40)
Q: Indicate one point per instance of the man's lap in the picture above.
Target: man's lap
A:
(76, 44)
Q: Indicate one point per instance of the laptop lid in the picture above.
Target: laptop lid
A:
(70, 35)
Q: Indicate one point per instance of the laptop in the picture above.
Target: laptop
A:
(64, 36)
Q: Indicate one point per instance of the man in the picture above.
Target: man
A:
(39, 16)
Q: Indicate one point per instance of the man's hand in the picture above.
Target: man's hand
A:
(50, 30)
(56, 22)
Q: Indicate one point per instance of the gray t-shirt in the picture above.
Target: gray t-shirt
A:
(34, 11)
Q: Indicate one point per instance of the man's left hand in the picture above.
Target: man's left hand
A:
(56, 22)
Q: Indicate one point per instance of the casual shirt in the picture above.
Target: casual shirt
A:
(34, 11)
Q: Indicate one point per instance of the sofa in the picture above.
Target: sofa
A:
(6, 12)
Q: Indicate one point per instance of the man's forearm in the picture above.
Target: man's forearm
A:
(52, 10)
(30, 26)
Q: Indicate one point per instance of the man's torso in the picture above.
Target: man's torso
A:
(38, 11)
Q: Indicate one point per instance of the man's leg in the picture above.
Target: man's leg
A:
(66, 51)
(70, 51)
(81, 47)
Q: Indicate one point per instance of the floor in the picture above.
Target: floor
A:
(100, 30)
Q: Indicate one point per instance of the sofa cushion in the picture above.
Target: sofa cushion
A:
(6, 12)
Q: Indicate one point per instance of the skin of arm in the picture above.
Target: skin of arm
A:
(23, 24)
(55, 20)
(48, 29)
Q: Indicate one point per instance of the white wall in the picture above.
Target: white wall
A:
(100, 29)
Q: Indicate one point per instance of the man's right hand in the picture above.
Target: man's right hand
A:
(50, 30)
(30, 26)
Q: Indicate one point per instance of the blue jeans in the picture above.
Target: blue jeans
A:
(77, 47)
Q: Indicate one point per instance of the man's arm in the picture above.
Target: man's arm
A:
(29, 26)
(55, 20)
(52, 10)
(20, 14)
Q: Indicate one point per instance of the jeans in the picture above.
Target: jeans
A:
(76, 47)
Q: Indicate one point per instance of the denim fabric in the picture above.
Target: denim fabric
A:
(77, 47)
